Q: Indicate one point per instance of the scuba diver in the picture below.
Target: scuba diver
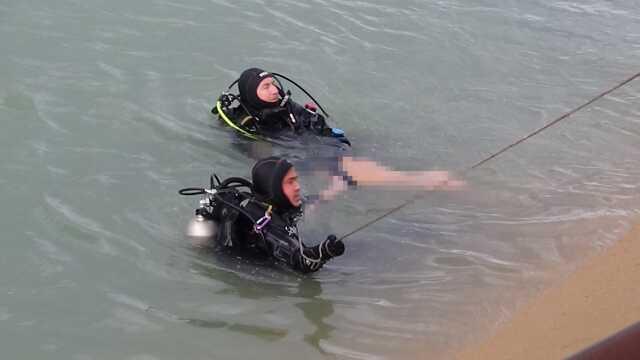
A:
(265, 109)
(261, 220)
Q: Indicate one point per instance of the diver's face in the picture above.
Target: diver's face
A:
(267, 90)
(291, 188)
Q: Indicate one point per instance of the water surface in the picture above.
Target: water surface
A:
(105, 114)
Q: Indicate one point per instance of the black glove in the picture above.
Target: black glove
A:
(332, 247)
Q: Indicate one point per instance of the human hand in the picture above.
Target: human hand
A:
(337, 186)
(439, 180)
(333, 246)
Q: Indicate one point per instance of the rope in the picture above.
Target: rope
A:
(564, 116)
(389, 212)
(506, 148)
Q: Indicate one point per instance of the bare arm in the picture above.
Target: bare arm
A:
(369, 173)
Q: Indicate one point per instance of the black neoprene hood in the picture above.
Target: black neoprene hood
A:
(248, 86)
(267, 175)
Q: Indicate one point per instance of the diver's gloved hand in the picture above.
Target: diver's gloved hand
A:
(332, 247)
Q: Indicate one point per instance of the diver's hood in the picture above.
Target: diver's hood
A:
(248, 86)
(267, 175)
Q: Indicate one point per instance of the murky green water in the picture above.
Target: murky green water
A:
(104, 107)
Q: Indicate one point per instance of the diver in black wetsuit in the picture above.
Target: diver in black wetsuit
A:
(264, 221)
(266, 109)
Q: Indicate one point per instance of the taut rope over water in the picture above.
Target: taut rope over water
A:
(564, 116)
(506, 148)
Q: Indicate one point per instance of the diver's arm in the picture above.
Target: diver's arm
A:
(309, 258)
(310, 119)
(313, 257)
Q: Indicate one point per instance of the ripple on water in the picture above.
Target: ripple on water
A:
(4, 313)
(130, 321)
(591, 9)
(87, 230)
(346, 353)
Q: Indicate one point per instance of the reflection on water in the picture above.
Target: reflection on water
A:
(262, 332)
(315, 309)
(249, 282)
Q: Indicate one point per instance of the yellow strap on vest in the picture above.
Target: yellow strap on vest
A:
(232, 124)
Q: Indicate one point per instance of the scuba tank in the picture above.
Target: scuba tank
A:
(204, 225)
